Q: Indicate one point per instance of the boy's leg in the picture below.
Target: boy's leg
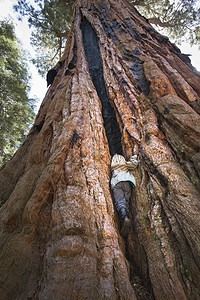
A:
(121, 206)
(119, 197)
(127, 193)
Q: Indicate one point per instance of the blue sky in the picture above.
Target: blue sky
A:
(38, 84)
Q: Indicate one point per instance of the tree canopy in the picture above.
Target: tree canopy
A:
(180, 18)
(16, 109)
(51, 21)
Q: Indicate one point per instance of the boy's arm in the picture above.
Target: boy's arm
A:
(133, 162)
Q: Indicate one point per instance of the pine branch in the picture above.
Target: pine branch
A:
(157, 21)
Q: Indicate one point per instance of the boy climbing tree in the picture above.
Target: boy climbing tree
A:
(121, 182)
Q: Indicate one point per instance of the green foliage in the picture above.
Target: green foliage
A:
(16, 110)
(51, 20)
(179, 18)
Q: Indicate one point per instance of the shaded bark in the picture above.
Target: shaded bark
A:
(59, 230)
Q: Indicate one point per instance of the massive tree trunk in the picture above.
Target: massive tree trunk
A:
(59, 231)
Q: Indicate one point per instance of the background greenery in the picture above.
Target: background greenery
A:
(16, 109)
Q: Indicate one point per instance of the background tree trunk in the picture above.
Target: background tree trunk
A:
(59, 232)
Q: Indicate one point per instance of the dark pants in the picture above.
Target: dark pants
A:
(122, 194)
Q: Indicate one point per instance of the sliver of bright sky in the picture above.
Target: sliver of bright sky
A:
(38, 84)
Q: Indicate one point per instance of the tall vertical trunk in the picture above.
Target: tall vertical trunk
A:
(59, 230)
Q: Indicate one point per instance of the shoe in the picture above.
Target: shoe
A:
(126, 227)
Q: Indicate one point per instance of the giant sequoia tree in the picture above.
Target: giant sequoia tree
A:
(120, 86)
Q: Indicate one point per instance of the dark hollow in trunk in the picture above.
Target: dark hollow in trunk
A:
(93, 55)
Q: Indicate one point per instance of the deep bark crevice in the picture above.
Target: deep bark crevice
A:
(188, 268)
(112, 27)
(93, 55)
(184, 158)
(140, 282)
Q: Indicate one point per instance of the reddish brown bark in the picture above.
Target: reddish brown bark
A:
(59, 233)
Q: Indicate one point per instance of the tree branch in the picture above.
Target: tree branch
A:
(157, 21)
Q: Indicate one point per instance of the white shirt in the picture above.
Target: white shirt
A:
(122, 169)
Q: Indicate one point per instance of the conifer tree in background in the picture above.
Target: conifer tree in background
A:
(59, 235)
(16, 109)
(50, 21)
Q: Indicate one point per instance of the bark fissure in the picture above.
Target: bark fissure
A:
(187, 261)
(92, 52)
(184, 158)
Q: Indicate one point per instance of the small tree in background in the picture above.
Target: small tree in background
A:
(16, 109)
(51, 21)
